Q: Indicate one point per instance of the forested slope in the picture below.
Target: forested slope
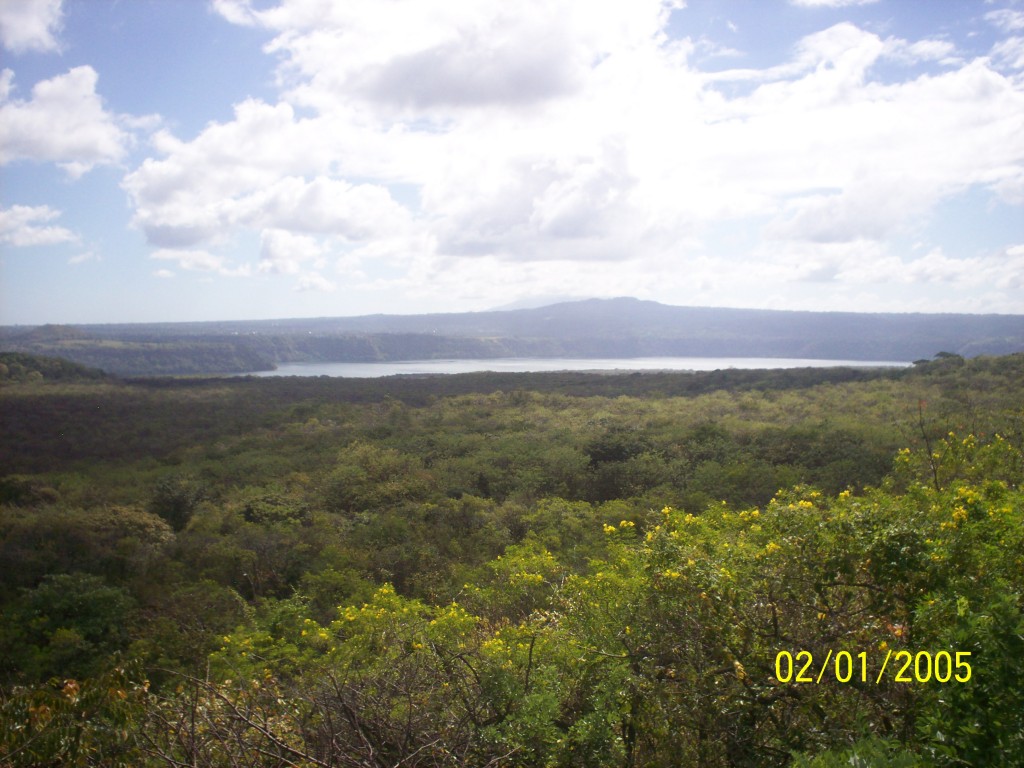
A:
(596, 328)
(520, 570)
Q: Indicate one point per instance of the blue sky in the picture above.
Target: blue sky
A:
(166, 160)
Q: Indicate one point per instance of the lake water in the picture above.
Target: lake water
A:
(525, 365)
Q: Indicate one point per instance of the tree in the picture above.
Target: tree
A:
(66, 627)
(176, 500)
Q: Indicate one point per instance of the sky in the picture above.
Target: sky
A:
(184, 160)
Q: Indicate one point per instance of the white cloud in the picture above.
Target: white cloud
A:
(314, 282)
(6, 84)
(282, 252)
(64, 122)
(265, 169)
(451, 54)
(30, 25)
(843, 157)
(1006, 19)
(22, 225)
(1003, 270)
(921, 51)
(195, 260)
(1010, 52)
(622, 157)
(236, 11)
(830, 3)
(867, 274)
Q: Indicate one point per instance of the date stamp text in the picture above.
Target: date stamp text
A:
(900, 666)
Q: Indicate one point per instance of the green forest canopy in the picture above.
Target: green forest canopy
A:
(527, 570)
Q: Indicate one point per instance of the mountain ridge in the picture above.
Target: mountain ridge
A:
(621, 327)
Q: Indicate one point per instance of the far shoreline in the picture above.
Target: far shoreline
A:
(607, 366)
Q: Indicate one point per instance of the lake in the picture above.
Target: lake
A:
(535, 364)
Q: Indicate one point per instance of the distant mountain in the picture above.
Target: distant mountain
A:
(536, 302)
(615, 328)
(630, 327)
(51, 333)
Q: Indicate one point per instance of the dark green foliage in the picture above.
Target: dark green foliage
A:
(866, 753)
(370, 478)
(175, 500)
(22, 367)
(127, 357)
(119, 543)
(67, 627)
(21, 491)
(983, 723)
(478, 569)
(76, 724)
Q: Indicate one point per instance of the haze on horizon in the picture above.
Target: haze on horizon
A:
(246, 159)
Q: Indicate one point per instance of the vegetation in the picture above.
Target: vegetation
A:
(16, 367)
(514, 570)
(595, 328)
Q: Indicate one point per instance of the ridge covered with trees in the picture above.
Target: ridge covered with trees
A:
(594, 328)
(515, 569)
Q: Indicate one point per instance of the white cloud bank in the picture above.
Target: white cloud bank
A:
(64, 122)
(23, 225)
(197, 260)
(572, 143)
(30, 25)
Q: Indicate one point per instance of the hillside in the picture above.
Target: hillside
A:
(615, 328)
(515, 569)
